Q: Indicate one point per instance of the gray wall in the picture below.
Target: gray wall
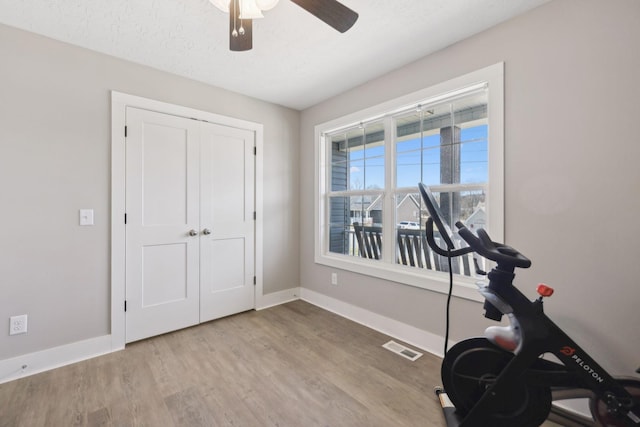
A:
(55, 121)
(571, 141)
(571, 163)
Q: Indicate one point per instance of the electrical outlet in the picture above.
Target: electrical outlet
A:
(18, 325)
(334, 278)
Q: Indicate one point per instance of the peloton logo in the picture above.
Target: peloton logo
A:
(569, 351)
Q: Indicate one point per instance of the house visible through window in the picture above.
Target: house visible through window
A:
(357, 183)
(371, 210)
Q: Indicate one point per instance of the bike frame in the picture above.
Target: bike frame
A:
(539, 335)
(533, 334)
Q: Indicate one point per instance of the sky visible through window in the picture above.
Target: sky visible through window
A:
(366, 167)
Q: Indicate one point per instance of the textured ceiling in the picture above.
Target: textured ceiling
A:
(296, 61)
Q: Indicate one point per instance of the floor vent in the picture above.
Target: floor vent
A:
(403, 351)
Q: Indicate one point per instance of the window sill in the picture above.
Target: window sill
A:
(463, 287)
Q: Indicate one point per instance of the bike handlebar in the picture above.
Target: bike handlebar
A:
(498, 252)
(449, 252)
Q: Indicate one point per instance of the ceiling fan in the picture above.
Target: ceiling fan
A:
(243, 12)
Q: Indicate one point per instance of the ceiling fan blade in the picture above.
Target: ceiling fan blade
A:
(331, 12)
(240, 30)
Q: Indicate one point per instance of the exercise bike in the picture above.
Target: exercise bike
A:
(501, 379)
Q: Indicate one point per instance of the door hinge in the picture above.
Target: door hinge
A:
(125, 131)
(254, 215)
(125, 219)
(254, 280)
(255, 151)
(125, 305)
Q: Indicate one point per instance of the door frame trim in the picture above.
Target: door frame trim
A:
(119, 103)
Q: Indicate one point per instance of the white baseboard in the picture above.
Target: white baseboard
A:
(44, 360)
(51, 358)
(277, 298)
(419, 338)
(424, 340)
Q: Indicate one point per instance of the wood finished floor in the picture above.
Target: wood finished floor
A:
(291, 365)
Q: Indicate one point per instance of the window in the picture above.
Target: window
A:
(371, 218)
(357, 175)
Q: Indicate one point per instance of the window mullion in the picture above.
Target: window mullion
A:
(324, 179)
(389, 209)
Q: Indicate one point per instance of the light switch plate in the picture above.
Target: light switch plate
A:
(86, 216)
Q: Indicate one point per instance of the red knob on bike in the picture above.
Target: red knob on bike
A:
(544, 290)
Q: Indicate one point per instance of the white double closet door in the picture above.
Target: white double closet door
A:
(190, 229)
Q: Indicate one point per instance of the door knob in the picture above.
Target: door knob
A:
(193, 233)
(206, 231)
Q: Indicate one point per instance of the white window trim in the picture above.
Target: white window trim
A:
(464, 287)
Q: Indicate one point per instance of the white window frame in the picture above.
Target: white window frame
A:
(491, 76)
